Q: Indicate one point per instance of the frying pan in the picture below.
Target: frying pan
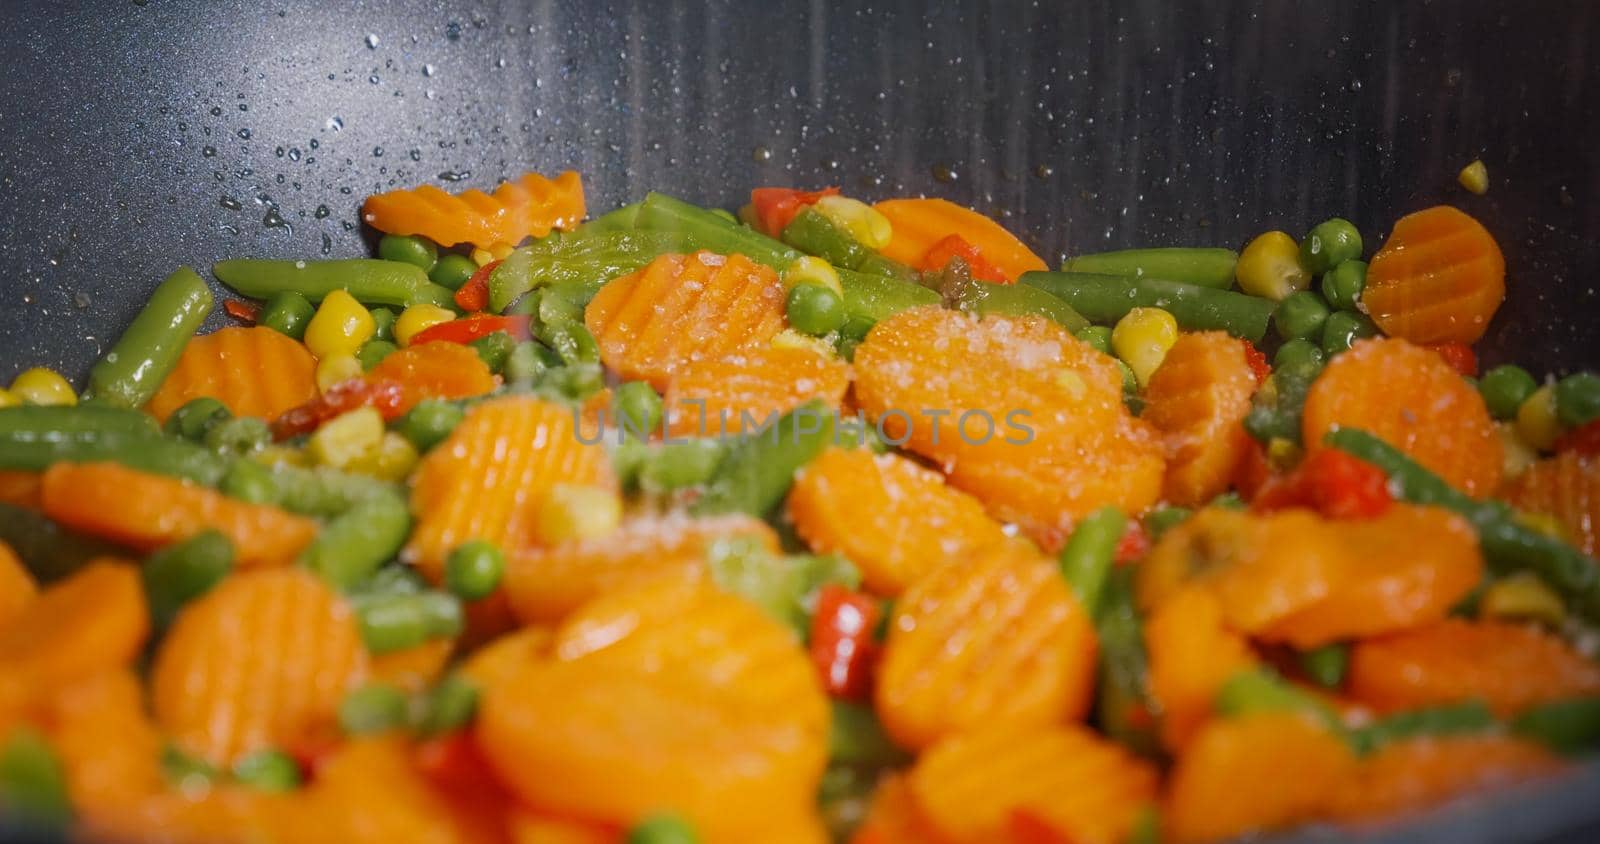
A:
(136, 135)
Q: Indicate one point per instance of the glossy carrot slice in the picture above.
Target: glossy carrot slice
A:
(109, 748)
(503, 658)
(18, 589)
(1409, 397)
(19, 488)
(530, 206)
(1020, 414)
(684, 308)
(670, 697)
(254, 371)
(489, 478)
(262, 660)
(1439, 278)
(750, 389)
(147, 511)
(370, 793)
(435, 371)
(1198, 399)
(1081, 786)
(414, 668)
(920, 224)
(1566, 486)
(528, 827)
(223, 814)
(997, 639)
(894, 519)
(544, 584)
(1407, 776)
(1192, 654)
(1507, 666)
(91, 622)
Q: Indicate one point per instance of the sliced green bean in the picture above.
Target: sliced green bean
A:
(1565, 726)
(858, 738)
(876, 264)
(33, 783)
(760, 466)
(1259, 690)
(49, 550)
(1087, 557)
(1326, 666)
(706, 230)
(352, 545)
(1206, 267)
(618, 220)
(325, 492)
(147, 453)
(371, 281)
(1107, 298)
(1449, 719)
(814, 234)
(181, 572)
(869, 299)
(131, 372)
(1015, 300)
(1124, 701)
(587, 259)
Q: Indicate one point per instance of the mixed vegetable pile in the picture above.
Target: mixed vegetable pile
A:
(824, 520)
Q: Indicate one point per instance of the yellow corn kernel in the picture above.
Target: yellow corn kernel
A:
(812, 270)
(43, 386)
(419, 318)
(281, 455)
(1283, 454)
(864, 223)
(339, 326)
(574, 511)
(481, 256)
(1522, 597)
(9, 399)
(1141, 339)
(1537, 424)
(1270, 266)
(347, 438)
(501, 250)
(792, 339)
(337, 369)
(392, 460)
(1474, 177)
(1516, 456)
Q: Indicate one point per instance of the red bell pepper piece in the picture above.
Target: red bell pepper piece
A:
(1460, 357)
(956, 246)
(1134, 544)
(245, 312)
(389, 397)
(474, 295)
(842, 646)
(1027, 827)
(1331, 482)
(1584, 439)
(776, 207)
(467, 329)
(453, 763)
(1257, 360)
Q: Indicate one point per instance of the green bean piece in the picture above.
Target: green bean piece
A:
(430, 421)
(47, 549)
(815, 309)
(1329, 244)
(572, 342)
(181, 572)
(1301, 359)
(392, 622)
(287, 313)
(40, 423)
(145, 452)
(268, 770)
(196, 417)
(371, 281)
(782, 586)
(352, 545)
(528, 361)
(1326, 665)
(1123, 698)
(680, 464)
(249, 481)
(869, 299)
(1343, 284)
(1206, 267)
(1300, 315)
(373, 352)
(450, 706)
(452, 271)
(1445, 720)
(857, 737)
(1098, 336)
(473, 569)
(185, 772)
(324, 492)
(239, 435)
(373, 708)
(662, 829)
(1578, 399)
(617, 220)
(494, 349)
(814, 234)
(1565, 726)
(1087, 557)
(578, 259)
(409, 249)
(1276, 413)
(636, 408)
(574, 382)
(1343, 328)
(759, 467)
(1259, 690)
(383, 324)
(876, 264)
(1163, 519)
(706, 230)
(131, 372)
(1012, 300)
(1505, 388)
(1107, 298)
(33, 784)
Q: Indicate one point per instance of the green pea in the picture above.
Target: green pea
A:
(636, 407)
(268, 770)
(815, 310)
(408, 249)
(494, 349)
(429, 422)
(1505, 388)
(452, 271)
(473, 569)
(529, 360)
(576, 382)
(1329, 244)
(662, 829)
(186, 773)
(383, 324)
(1302, 357)
(373, 352)
(1343, 284)
(239, 435)
(1578, 399)
(1343, 328)
(179, 573)
(1097, 336)
(33, 784)
(392, 622)
(249, 481)
(1326, 665)
(197, 416)
(1300, 315)
(450, 706)
(287, 313)
(373, 708)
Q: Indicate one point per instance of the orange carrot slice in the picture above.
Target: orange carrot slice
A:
(996, 639)
(1439, 278)
(1566, 486)
(262, 660)
(1192, 655)
(892, 816)
(1198, 399)
(148, 511)
(109, 749)
(1083, 787)
(1507, 666)
(223, 814)
(504, 657)
(750, 388)
(370, 793)
(18, 589)
(920, 224)
(254, 371)
(1033, 421)
(683, 308)
(529, 207)
(413, 668)
(894, 519)
(19, 488)
(528, 827)
(1254, 774)
(91, 622)
(435, 371)
(489, 478)
(671, 697)
(544, 584)
(1409, 397)
(1406, 776)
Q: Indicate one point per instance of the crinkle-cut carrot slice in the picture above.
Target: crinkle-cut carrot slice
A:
(489, 478)
(436, 370)
(1510, 667)
(894, 519)
(670, 697)
(20, 488)
(920, 224)
(1409, 397)
(526, 826)
(1192, 654)
(370, 793)
(222, 814)
(262, 660)
(750, 389)
(1083, 787)
(503, 657)
(1198, 399)
(1439, 278)
(91, 622)
(147, 511)
(254, 371)
(1019, 413)
(1256, 773)
(544, 584)
(18, 589)
(108, 746)
(999, 638)
(684, 308)
(1415, 774)
(1566, 486)
(529, 206)
(413, 668)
